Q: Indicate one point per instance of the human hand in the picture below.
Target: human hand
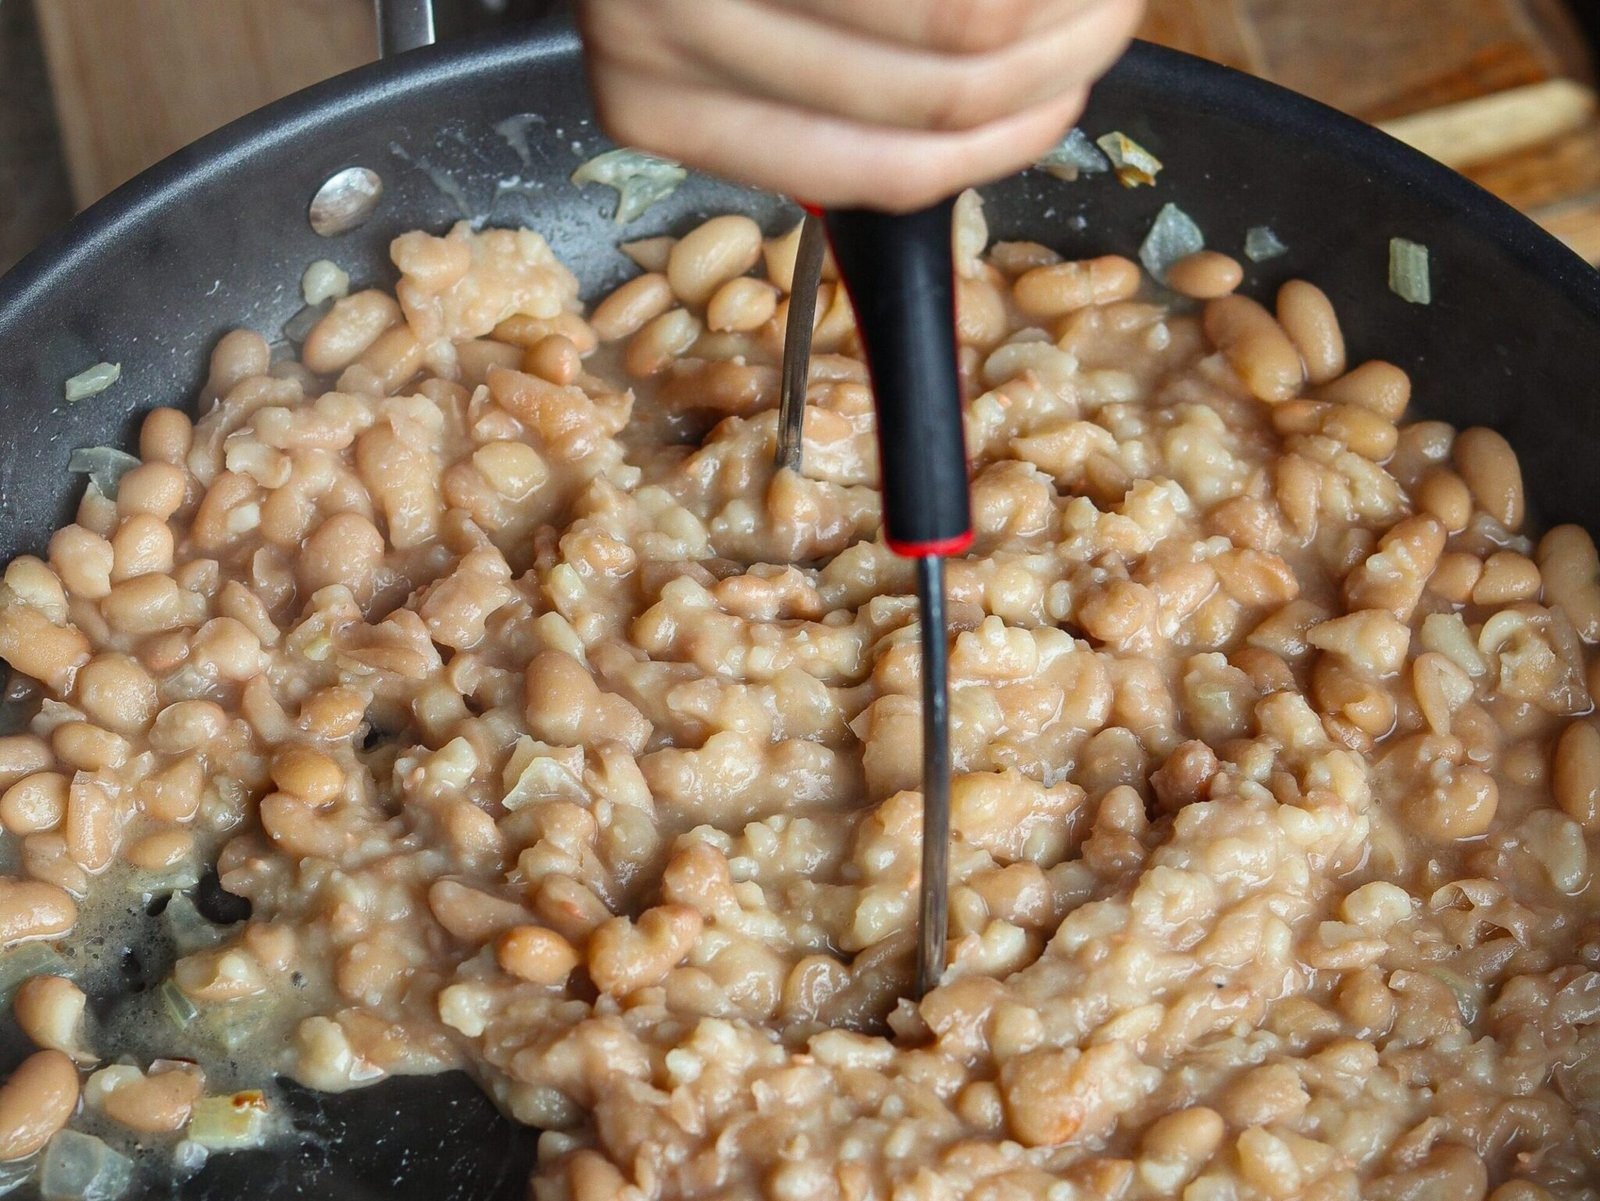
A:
(889, 104)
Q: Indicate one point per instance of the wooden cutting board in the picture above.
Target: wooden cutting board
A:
(1499, 88)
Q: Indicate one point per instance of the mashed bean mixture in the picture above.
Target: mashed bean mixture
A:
(552, 734)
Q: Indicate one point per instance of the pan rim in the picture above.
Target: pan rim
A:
(1222, 91)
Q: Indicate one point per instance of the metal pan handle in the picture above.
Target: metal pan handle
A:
(403, 25)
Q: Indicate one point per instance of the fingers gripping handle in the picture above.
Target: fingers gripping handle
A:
(900, 273)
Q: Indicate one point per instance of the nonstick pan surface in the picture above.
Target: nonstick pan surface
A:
(216, 237)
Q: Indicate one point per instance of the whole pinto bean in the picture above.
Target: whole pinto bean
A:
(1256, 347)
(1205, 275)
(50, 1011)
(348, 329)
(1575, 773)
(1377, 386)
(36, 1102)
(631, 307)
(1489, 466)
(32, 909)
(1307, 316)
(1570, 569)
(1061, 288)
(708, 257)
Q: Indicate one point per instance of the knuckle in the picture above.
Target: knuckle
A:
(977, 26)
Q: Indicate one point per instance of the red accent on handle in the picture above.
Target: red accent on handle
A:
(943, 547)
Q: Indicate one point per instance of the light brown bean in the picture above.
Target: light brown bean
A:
(1256, 347)
(1575, 773)
(238, 355)
(1490, 468)
(779, 255)
(161, 851)
(478, 356)
(1463, 805)
(174, 794)
(228, 649)
(1307, 316)
(1571, 572)
(154, 489)
(655, 347)
(146, 604)
(1369, 434)
(307, 773)
(94, 824)
(981, 318)
(1379, 386)
(333, 713)
(21, 755)
(1507, 578)
(741, 305)
(345, 549)
(34, 803)
(1205, 275)
(186, 726)
(1444, 495)
(35, 1102)
(535, 954)
(50, 1011)
(1455, 577)
(708, 257)
(84, 746)
(31, 909)
(473, 916)
(651, 254)
(1063, 288)
(83, 560)
(165, 437)
(157, 1103)
(394, 357)
(624, 957)
(117, 692)
(435, 264)
(527, 332)
(37, 647)
(631, 307)
(346, 331)
(554, 357)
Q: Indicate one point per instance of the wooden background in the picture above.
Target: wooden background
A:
(1501, 89)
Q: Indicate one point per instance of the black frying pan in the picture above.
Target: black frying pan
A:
(216, 237)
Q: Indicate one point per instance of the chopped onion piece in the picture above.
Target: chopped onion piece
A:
(233, 1123)
(79, 1167)
(179, 1008)
(1075, 156)
(93, 381)
(1409, 275)
(188, 927)
(1261, 244)
(1174, 236)
(1134, 164)
(15, 1173)
(640, 179)
(28, 960)
(104, 465)
(323, 281)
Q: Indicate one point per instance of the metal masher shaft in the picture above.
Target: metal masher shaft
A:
(797, 340)
(935, 900)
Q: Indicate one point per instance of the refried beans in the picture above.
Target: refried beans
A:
(552, 734)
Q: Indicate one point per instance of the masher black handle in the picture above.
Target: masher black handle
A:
(900, 274)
